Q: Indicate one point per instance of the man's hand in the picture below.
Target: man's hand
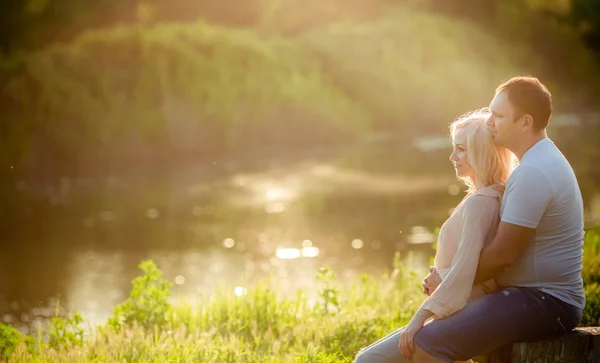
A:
(431, 282)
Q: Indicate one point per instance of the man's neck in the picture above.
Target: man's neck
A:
(522, 149)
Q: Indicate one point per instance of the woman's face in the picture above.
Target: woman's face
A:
(459, 155)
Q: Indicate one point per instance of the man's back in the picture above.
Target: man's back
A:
(543, 193)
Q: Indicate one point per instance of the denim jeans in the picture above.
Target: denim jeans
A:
(491, 322)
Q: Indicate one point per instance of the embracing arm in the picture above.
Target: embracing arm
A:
(508, 245)
(525, 202)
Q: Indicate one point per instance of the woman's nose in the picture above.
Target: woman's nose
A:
(452, 156)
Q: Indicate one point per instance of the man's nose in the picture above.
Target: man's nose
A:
(490, 122)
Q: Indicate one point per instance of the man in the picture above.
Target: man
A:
(536, 256)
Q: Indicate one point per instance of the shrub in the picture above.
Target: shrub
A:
(66, 332)
(9, 339)
(147, 304)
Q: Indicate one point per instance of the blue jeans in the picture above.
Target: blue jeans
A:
(491, 322)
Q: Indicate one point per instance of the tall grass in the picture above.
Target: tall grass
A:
(591, 276)
(256, 325)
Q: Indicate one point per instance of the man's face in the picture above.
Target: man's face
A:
(502, 122)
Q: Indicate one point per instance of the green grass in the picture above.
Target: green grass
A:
(258, 326)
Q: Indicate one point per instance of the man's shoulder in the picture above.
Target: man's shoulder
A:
(547, 158)
(527, 173)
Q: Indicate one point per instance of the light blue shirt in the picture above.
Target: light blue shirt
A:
(543, 193)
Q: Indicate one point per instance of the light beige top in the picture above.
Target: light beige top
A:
(472, 225)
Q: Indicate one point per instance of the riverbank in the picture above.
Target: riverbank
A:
(252, 324)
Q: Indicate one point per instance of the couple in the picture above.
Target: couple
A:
(509, 258)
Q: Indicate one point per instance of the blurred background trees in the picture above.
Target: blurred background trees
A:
(87, 83)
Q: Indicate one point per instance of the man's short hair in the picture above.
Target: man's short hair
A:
(530, 97)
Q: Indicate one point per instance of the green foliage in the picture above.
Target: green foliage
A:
(591, 313)
(147, 304)
(591, 250)
(591, 277)
(251, 326)
(201, 87)
(178, 85)
(409, 61)
(66, 332)
(591, 270)
(342, 338)
(9, 339)
(328, 294)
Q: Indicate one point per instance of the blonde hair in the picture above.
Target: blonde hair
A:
(492, 164)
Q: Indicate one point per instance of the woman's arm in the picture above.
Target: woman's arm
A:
(478, 215)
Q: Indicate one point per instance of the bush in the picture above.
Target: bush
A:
(66, 332)
(201, 87)
(147, 304)
(9, 339)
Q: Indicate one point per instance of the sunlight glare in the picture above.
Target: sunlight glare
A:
(152, 213)
(228, 242)
(453, 189)
(274, 208)
(420, 235)
(310, 251)
(275, 194)
(357, 244)
(240, 291)
(197, 210)
(287, 253)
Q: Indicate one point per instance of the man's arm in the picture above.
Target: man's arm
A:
(508, 245)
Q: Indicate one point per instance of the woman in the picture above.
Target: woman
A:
(484, 168)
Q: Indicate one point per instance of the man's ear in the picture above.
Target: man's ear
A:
(528, 121)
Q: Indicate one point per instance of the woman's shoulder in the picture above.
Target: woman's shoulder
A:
(494, 191)
(485, 198)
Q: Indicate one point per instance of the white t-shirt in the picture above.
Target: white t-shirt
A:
(543, 193)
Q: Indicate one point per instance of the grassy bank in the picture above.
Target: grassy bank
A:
(253, 325)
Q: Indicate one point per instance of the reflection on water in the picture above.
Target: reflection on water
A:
(207, 229)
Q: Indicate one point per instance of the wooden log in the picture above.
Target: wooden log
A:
(582, 345)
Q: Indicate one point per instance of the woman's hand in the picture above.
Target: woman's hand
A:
(431, 282)
(407, 337)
